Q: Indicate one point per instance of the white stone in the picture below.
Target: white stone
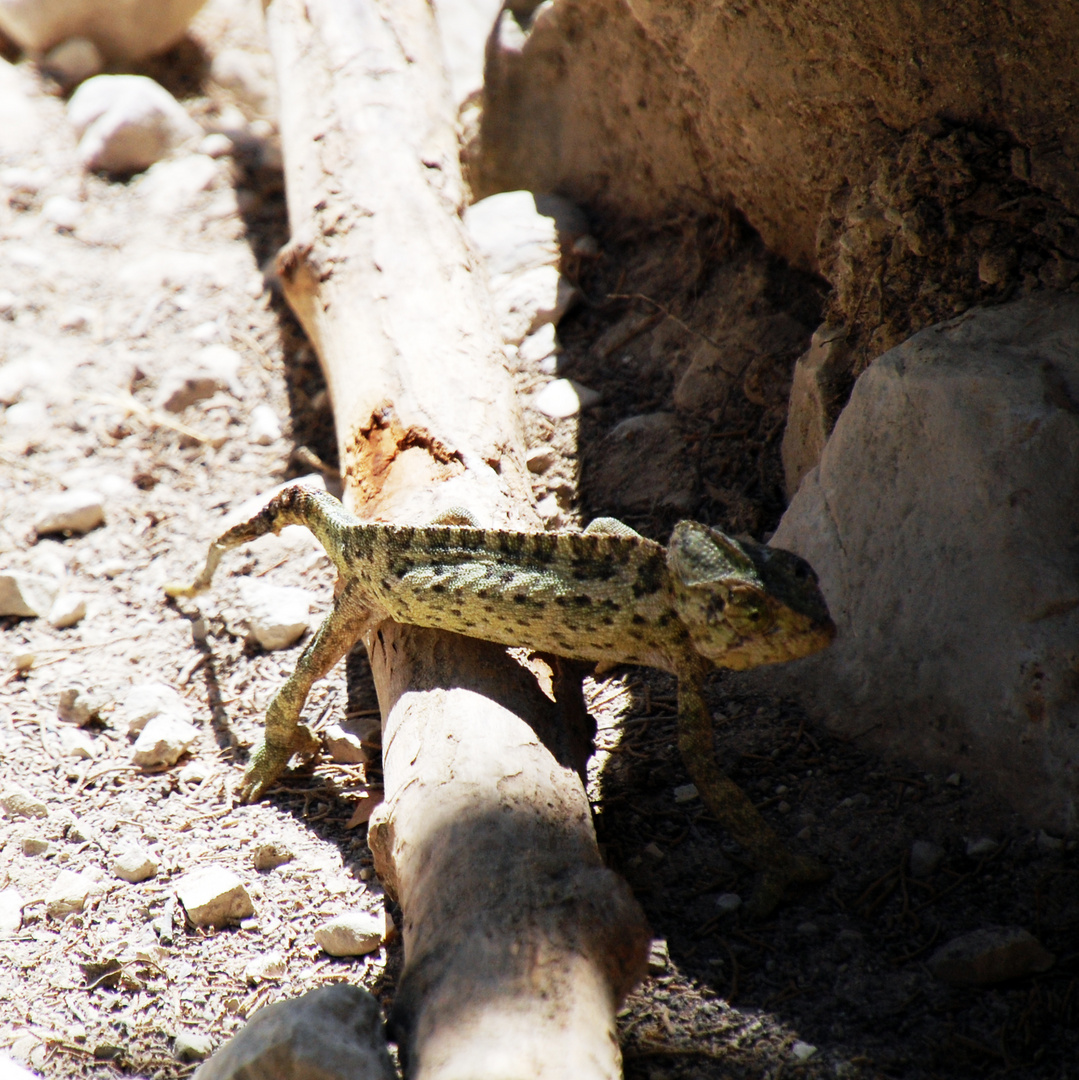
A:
(210, 369)
(122, 29)
(802, 1051)
(69, 892)
(352, 933)
(214, 896)
(538, 346)
(941, 523)
(527, 300)
(144, 701)
(26, 424)
(277, 615)
(73, 61)
(540, 459)
(76, 743)
(76, 511)
(562, 398)
(163, 741)
(727, 903)
(270, 965)
(135, 865)
(264, 427)
(334, 1031)
(68, 609)
(26, 595)
(344, 747)
(62, 212)
(980, 847)
(11, 905)
(516, 231)
(191, 1046)
(686, 793)
(23, 661)
(170, 186)
(8, 303)
(34, 845)
(20, 804)
(127, 122)
(925, 858)
(79, 705)
(216, 145)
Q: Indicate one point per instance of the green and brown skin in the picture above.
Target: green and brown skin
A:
(607, 594)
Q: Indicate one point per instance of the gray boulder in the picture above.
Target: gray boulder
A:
(943, 521)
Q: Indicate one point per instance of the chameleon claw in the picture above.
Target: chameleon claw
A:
(269, 760)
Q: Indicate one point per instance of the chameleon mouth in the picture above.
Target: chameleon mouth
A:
(782, 644)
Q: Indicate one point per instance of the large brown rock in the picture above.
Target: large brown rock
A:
(943, 522)
(643, 105)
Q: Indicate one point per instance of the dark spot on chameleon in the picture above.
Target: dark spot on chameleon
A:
(582, 601)
(638, 620)
(520, 598)
(666, 618)
(483, 594)
(507, 576)
(610, 605)
(406, 534)
(387, 584)
(456, 612)
(637, 635)
(608, 621)
(650, 575)
(438, 588)
(488, 607)
(469, 624)
(510, 543)
(544, 548)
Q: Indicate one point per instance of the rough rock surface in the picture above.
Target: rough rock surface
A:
(648, 104)
(335, 1031)
(942, 523)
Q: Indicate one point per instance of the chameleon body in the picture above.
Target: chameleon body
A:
(607, 594)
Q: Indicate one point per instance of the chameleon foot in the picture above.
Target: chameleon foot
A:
(269, 760)
(774, 881)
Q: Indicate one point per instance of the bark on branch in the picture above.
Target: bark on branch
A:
(519, 944)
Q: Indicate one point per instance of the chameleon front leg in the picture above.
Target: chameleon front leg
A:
(777, 867)
(284, 734)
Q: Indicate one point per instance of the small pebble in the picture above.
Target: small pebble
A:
(74, 511)
(686, 793)
(163, 741)
(653, 850)
(925, 858)
(981, 847)
(1049, 845)
(263, 968)
(954, 780)
(27, 595)
(135, 865)
(20, 804)
(659, 957)
(270, 855)
(214, 896)
(146, 700)
(216, 145)
(563, 398)
(23, 661)
(11, 905)
(264, 427)
(344, 747)
(34, 845)
(67, 610)
(727, 903)
(802, 1051)
(540, 460)
(991, 955)
(277, 615)
(353, 933)
(80, 706)
(62, 212)
(69, 893)
(76, 743)
(188, 1046)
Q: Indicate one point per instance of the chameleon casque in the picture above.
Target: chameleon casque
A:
(607, 594)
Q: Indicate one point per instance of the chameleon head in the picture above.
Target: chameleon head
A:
(745, 604)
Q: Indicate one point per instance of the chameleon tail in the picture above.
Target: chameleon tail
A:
(295, 505)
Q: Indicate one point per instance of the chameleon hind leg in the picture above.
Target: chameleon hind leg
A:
(777, 867)
(284, 734)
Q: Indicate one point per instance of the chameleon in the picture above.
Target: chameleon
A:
(607, 594)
